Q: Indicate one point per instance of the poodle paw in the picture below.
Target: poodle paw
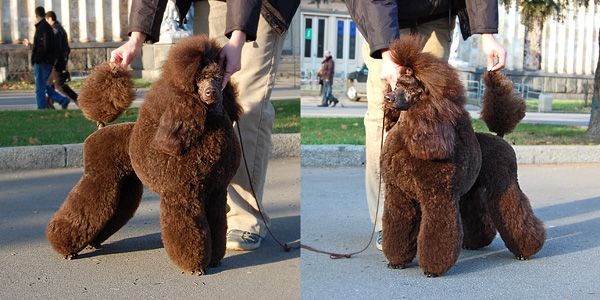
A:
(71, 256)
(521, 257)
(93, 246)
(431, 275)
(395, 267)
(198, 272)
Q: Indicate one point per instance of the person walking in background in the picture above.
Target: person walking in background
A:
(326, 73)
(382, 22)
(252, 35)
(59, 75)
(43, 57)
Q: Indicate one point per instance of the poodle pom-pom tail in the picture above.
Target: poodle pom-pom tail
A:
(106, 93)
(502, 109)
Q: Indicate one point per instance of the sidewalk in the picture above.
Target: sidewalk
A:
(351, 109)
(335, 218)
(133, 264)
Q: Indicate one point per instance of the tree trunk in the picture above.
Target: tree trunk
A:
(532, 53)
(594, 126)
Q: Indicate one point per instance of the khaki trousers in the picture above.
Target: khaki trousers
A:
(255, 81)
(435, 35)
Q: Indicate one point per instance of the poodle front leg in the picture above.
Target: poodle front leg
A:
(478, 227)
(440, 234)
(522, 232)
(185, 230)
(216, 213)
(401, 218)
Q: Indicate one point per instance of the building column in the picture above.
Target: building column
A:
(66, 18)
(571, 36)
(30, 13)
(115, 7)
(99, 17)
(14, 21)
(83, 28)
(48, 5)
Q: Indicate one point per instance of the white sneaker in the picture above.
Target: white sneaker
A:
(242, 240)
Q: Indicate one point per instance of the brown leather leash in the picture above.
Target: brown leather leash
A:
(285, 246)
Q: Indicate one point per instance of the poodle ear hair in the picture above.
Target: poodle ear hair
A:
(231, 101)
(431, 140)
(177, 128)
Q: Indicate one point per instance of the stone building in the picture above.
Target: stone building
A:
(569, 55)
(95, 28)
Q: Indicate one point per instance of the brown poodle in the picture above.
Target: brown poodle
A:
(445, 185)
(182, 147)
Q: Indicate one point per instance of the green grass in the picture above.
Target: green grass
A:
(45, 127)
(322, 131)
(578, 106)
(138, 83)
(351, 131)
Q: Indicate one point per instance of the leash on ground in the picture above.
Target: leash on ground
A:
(334, 255)
(283, 246)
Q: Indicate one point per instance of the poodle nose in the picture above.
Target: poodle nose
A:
(390, 97)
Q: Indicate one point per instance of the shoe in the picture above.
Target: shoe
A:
(322, 105)
(66, 105)
(242, 240)
(379, 241)
(49, 103)
(335, 102)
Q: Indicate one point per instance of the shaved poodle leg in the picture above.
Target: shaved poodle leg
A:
(185, 230)
(440, 235)
(478, 227)
(401, 217)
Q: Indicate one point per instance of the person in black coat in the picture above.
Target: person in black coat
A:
(60, 75)
(43, 58)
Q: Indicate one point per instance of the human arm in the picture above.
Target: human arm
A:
(377, 20)
(231, 55)
(242, 15)
(483, 20)
(125, 54)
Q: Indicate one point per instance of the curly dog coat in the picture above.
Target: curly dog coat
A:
(182, 147)
(445, 185)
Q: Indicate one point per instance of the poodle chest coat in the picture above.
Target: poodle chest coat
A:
(447, 187)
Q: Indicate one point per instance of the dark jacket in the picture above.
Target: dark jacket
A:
(146, 15)
(62, 46)
(327, 69)
(380, 21)
(43, 44)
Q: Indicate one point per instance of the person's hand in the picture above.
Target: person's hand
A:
(492, 49)
(231, 55)
(26, 42)
(389, 69)
(125, 54)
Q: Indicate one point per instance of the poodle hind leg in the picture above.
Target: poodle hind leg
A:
(401, 218)
(94, 199)
(185, 230)
(478, 226)
(440, 234)
(216, 213)
(130, 195)
(522, 232)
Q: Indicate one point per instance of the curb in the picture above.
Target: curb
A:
(71, 155)
(354, 156)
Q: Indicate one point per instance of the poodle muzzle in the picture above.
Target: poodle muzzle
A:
(396, 100)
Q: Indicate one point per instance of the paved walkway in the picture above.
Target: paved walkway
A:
(350, 109)
(566, 198)
(133, 264)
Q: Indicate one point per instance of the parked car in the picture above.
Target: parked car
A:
(356, 84)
